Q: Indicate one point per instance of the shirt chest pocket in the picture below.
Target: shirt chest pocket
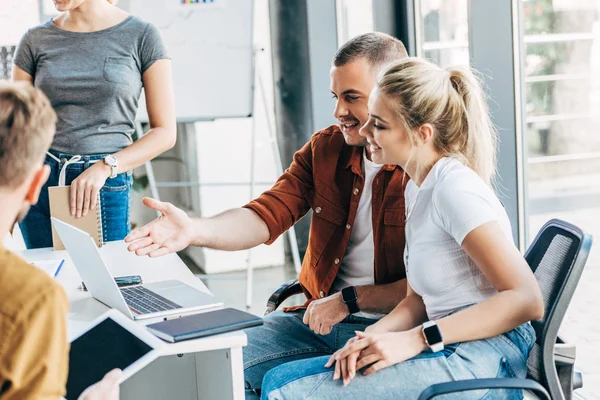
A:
(327, 219)
(120, 70)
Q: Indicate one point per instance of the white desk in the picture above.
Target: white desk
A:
(208, 368)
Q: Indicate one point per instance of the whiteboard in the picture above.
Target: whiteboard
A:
(16, 17)
(210, 44)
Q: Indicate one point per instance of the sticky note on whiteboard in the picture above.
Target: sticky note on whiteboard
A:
(200, 5)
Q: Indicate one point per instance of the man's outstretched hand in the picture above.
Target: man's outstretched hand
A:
(170, 232)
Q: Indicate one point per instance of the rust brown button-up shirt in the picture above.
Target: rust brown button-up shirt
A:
(326, 176)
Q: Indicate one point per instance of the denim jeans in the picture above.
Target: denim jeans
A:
(115, 201)
(501, 356)
(284, 338)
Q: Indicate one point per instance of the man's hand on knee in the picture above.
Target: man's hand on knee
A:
(321, 315)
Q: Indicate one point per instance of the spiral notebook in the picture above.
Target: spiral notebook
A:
(60, 209)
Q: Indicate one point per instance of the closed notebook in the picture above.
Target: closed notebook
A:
(204, 324)
(60, 208)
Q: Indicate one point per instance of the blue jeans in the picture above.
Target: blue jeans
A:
(115, 201)
(501, 356)
(284, 338)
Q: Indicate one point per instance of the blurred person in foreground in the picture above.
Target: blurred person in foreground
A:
(34, 350)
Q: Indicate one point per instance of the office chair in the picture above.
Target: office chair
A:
(557, 257)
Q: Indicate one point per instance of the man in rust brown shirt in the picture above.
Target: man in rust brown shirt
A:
(352, 272)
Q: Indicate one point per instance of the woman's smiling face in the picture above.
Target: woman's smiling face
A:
(385, 132)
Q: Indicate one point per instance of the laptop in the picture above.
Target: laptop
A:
(150, 300)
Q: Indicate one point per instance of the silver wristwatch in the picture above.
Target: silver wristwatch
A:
(113, 163)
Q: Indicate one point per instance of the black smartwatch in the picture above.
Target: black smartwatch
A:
(349, 297)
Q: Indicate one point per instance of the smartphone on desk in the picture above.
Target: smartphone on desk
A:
(122, 281)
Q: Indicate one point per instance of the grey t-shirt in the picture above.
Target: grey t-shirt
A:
(93, 80)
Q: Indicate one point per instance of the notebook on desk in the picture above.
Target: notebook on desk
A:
(204, 324)
(60, 208)
(51, 267)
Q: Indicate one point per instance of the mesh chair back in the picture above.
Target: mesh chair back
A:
(557, 257)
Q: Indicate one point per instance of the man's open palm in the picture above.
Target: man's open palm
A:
(170, 232)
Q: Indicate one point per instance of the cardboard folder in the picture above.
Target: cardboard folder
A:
(60, 208)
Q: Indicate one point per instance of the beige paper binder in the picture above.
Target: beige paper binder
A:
(60, 208)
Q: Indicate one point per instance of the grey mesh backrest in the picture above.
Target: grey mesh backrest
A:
(557, 256)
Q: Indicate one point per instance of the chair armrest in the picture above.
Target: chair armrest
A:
(564, 359)
(284, 291)
(475, 384)
(564, 353)
(577, 380)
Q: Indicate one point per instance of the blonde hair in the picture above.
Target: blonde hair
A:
(453, 102)
(27, 126)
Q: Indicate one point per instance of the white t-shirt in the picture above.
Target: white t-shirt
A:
(357, 267)
(451, 202)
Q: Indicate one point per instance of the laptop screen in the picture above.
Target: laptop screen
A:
(104, 347)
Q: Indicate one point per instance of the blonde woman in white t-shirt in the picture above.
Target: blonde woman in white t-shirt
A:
(470, 292)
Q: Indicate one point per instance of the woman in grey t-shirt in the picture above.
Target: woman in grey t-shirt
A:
(92, 62)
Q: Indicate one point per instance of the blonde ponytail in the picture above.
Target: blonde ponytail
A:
(481, 136)
(453, 102)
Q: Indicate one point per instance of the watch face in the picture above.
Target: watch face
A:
(111, 160)
(349, 294)
(433, 334)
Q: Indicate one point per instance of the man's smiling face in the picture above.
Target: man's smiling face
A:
(351, 85)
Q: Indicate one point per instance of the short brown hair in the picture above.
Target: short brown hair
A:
(376, 47)
(27, 126)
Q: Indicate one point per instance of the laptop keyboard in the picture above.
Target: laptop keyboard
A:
(145, 301)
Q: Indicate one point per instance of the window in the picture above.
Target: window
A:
(442, 31)
(561, 45)
(354, 17)
(562, 86)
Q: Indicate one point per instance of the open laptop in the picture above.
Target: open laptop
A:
(151, 300)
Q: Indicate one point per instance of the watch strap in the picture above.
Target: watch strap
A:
(437, 347)
(113, 171)
(350, 297)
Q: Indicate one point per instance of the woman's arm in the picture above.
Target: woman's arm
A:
(409, 313)
(19, 75)
(518, 300)
(160, 104)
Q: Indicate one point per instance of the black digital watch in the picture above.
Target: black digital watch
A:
(349, 296)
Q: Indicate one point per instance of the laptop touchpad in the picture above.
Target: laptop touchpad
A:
(181, 293)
